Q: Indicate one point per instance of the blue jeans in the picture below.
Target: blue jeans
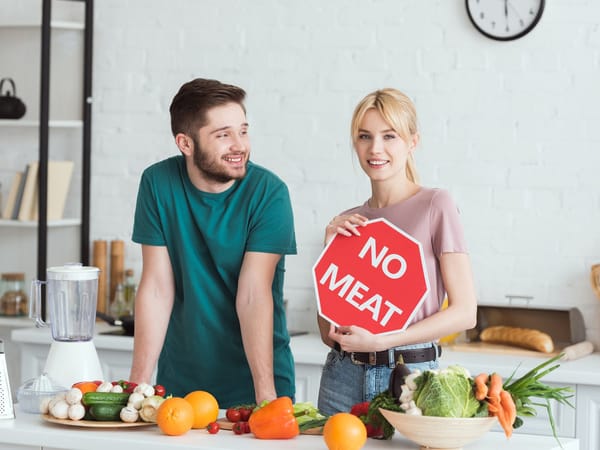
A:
(344, 384)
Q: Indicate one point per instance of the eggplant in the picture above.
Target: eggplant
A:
(397, 378)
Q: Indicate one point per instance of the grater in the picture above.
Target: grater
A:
(6, 404)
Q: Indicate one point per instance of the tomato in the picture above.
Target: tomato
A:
(245, 413)
(213, 428)
(238, 428)
(241, 428)
(129, 387)
(233, 415)
(160, 390)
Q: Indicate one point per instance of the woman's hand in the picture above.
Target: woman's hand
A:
(345, 225)
(354, 339)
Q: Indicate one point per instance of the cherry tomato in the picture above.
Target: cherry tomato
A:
(129, 387)
(240, 428)
(213, 428)
(233, 415)
(245, 413)
(160, 390)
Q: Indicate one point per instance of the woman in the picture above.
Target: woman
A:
(384, 134)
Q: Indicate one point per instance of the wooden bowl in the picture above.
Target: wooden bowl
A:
(434, 433)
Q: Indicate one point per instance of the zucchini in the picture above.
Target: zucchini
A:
(106, 411)
(105, 398)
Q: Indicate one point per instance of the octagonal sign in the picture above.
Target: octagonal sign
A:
(377, 280)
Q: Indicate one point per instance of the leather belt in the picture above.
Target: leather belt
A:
(390, 357)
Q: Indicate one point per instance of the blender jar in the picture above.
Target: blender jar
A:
(71, 295)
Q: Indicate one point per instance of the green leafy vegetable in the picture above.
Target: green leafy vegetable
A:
(386, 401)
(446, 393)
(529, 386)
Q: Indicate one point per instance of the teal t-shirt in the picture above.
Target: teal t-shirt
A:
(206, 235)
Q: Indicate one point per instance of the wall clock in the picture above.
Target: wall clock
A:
(505, 20)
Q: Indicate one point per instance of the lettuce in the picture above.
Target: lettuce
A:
(446, 393)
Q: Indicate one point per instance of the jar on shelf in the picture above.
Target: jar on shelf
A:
(13, 299)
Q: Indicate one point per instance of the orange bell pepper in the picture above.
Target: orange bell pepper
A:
(275, 420)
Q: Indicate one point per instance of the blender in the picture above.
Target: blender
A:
(71, 294)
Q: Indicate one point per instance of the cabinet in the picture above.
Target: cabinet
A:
(308, 377)
(588, 416)
(47, 50)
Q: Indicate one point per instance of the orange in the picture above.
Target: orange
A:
(344, 431)
(206, 408)
(175, 416)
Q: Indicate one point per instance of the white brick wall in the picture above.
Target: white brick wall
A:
(511, 129)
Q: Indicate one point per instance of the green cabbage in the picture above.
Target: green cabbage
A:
(446, 393)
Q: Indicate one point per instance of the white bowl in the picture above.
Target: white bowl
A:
(435, 433)
(31, 401)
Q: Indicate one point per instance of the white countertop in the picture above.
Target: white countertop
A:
(31, 429)
(308, 349)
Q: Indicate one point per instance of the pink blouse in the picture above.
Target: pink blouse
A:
(431, 217)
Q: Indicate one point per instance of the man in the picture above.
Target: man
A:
(214, 229)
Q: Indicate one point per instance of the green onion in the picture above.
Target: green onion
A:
(529, 386)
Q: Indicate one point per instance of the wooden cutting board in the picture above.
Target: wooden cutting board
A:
(486, 347)
(227, 425)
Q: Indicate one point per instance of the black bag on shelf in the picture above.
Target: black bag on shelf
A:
(11, 106)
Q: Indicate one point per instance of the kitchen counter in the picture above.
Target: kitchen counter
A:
(580, 375)
(32, 431)
(309, 350)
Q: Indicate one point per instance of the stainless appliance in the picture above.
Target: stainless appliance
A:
(7, 410)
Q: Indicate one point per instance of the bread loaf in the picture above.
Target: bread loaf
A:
(519, 337)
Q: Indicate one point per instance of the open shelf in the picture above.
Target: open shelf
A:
(33, 223)
(34, 123)
(55, 24)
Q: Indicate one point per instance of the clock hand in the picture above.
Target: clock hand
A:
(506, 9)
(516, 12)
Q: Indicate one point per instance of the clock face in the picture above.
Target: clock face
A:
(505, 20)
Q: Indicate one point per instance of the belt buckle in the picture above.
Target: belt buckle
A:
(372, 358)
(354, 361)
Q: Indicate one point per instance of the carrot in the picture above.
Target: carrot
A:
(496, 409)
(508, 405)
(503, 420)
(481, 387)
(495, 386)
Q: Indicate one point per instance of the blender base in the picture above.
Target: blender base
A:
(70, 362)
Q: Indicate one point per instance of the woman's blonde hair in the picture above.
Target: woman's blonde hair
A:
(398, 111)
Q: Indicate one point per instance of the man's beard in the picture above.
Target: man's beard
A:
(211, 168)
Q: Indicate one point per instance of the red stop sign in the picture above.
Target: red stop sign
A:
(377, 280)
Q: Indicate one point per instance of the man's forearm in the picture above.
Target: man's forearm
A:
(256, 324)
(153, 306)
(146, 349)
